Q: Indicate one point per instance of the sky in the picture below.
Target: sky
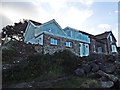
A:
(91, 16)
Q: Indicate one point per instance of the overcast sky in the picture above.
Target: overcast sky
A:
(92, 16)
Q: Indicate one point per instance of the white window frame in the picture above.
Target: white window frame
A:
(53, 41)
(68, 44)
(111, 38)
(100, 50)
(114, 49)
(94, 48)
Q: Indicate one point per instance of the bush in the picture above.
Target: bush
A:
(52, 66)
(8, 55)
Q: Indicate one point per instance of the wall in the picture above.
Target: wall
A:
(97, 44)
(48, 48)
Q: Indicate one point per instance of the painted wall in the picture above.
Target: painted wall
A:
(30, 32)
(53, 29)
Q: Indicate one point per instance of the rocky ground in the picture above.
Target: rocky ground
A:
(107, 72)
(104, 70)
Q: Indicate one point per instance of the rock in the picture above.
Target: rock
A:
(117, 64)
(117, 72)
(95, 67)
(101, 73)
(112, 77)
(21, 85)
(111, 58)
(107, 84)
(80, 72)
(107, 68)
(109, 76)
(87, 68)
(93, 75)
(103, 78)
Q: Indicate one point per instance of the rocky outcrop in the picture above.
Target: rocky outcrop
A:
(107, 72)
(80, 72)
(106, 84)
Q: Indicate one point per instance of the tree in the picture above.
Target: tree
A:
(14, 32)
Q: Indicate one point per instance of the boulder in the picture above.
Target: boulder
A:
(87, 68)
(103, 78)
(109, 76)
(117, 64)
(80, 72)
(106, 84)
(108, 68)
(111, 58)
(112, 77)
(101, 73)
(117, 72)
(93, 75)
(95, 67)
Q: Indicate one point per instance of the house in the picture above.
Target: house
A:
(50, 38)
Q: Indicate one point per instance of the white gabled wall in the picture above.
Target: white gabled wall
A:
(38, 40)
(30, 32)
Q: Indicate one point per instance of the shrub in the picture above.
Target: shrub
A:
(38, 65)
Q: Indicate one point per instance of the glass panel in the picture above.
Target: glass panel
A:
(53, 41)
(114, 48)
(99, 49)
(68, 44)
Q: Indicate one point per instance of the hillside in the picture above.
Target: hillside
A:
(23, 67)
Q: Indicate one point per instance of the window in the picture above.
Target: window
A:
(99, 49)
(68, 44)
(84, 49)
(114, 48)
(110, 38)
(50, 30)
(53, 41)
(94, 48)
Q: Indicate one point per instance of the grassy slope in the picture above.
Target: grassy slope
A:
(40, 67)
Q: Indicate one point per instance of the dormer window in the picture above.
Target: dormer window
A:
(111, 38)
(114, 49)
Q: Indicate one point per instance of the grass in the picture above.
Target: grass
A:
(77, 82)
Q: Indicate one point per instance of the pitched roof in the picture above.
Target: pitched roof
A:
(105, 35)
(35, 23)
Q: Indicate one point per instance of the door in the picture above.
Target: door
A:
(84, 49)
(87, 49)
(81, 51)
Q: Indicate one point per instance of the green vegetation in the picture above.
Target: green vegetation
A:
(39, 65)
(77, 82)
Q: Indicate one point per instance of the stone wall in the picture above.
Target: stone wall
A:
(39, 48)
(48, 48)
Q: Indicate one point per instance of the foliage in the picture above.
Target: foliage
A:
(15, 31)
(77, 82)
(8, 55)
(39, 65)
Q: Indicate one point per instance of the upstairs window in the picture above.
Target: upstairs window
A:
(114, 49)
(68, 44)
(53, 41)
(111, 38)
